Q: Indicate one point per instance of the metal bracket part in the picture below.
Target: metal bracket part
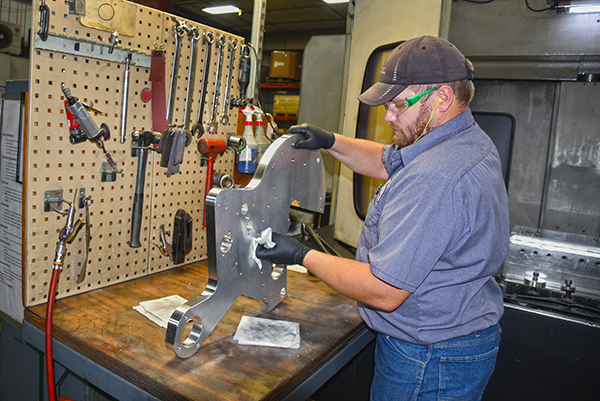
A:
(234, 218)
(108, 16)
(53, 200)
(92, 48)
(108, 173)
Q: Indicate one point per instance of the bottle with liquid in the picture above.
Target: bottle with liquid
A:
(262, 143)
(248, 155)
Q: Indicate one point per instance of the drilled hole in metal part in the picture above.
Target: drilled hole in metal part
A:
(318, 160)
(191, 332)
(244, 209)
(276, 271)
(249, 227)
(282, 293)
(226, 243)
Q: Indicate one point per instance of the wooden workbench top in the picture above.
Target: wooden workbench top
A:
(102, 326)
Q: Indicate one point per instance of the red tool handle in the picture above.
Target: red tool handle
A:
(211, 148)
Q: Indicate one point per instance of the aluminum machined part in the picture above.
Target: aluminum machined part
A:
(551, 257)
(233, 218)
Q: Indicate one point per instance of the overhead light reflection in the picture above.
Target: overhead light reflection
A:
(584, 9)
(221, 10)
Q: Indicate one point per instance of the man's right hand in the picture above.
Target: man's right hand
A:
(314, 137)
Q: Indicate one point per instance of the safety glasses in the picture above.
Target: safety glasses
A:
(400, 106)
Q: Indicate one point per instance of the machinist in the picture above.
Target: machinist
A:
(435, 233)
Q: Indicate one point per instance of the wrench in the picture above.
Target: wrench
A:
(194, 36)
(125, 98)
(213, 124)
(224, 116)
(198, 128)
(178, 31)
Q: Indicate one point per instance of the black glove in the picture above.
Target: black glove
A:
(314, 137)
(287, 251)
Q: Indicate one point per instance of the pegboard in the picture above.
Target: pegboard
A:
(52, 163)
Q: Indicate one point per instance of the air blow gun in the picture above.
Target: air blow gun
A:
(87, 126)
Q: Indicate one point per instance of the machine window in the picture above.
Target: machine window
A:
(370, 126)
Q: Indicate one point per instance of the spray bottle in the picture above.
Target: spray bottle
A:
(248, 155)
(262, 142)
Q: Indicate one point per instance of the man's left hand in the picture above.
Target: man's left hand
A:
(287, 251)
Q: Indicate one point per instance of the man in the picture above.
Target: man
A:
(434, 236)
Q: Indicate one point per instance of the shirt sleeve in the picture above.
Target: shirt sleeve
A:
(416, 223)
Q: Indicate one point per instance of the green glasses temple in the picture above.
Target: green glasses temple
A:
(414, 99)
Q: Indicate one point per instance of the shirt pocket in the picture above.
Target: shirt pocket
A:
(371, 227)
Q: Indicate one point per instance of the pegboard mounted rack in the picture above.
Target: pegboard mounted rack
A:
(88, 54)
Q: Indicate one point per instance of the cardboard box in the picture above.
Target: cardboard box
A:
(286, 65)
(286, 105)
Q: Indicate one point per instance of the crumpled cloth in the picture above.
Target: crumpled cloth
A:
(177, 152)
(268, 333)
(264, 239)
(160, 310)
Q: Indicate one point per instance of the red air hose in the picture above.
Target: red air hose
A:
(49, 315)
(66, 235)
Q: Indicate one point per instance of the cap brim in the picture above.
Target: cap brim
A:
(380, 93)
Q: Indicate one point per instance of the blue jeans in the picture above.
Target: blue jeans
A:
(456, 369)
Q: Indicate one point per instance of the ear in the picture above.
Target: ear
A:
(446, 98)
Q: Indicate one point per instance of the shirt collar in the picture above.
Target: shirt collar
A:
(402, 157)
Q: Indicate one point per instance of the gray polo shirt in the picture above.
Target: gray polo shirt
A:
(439, 229)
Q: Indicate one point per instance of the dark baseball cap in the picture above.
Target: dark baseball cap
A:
(418, 61)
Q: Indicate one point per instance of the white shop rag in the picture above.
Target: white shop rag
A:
(264, 239)
(267, 333)
(160, 310)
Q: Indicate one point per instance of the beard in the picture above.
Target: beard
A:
(407, 135)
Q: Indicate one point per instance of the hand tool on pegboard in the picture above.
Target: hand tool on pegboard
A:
(157, 77)
(182, 236)
(210, 148)
(179, 31)
(164, 247)
(243, 77)
(140, 147)
(194, 35)
(84, 203)
(213, 124)
(44, 21)
(198, 128)
(88, 126)
(125, 100)
(232, 45)
(175, 140)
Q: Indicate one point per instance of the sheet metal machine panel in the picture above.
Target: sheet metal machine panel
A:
(234, 217)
